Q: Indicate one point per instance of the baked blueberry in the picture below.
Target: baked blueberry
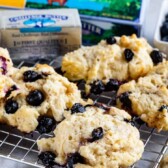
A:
(163, 107)
(74, 159)
(11, 106)
(47, 158)
(46, 125)
(128, 54)
(4, 65)
(35, 98)
(31, 76)
(97, 87)
(84, 95)
(124, 99)
(14, 87)
(156, 56)
(77, 108)
(111, 40)
(112, 84)
(97, 134)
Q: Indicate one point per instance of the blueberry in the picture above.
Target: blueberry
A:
(128, 54)
(47, 158)
(111, 40)
(46, 125)
(97, 87)
(97, 134)
(163, 107)
(77, 108)
(11, 106)
(156, 56)
(35, 98)
(31, 76)
(130, 122)
(124, 98)
(14, 87)
(4, 65)
(164, 29)
(74, 159)
(84, 95)
(112, 84)
(165, 38)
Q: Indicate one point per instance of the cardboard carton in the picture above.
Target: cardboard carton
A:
(40, 33)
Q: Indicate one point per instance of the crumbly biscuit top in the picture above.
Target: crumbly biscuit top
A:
(148, 97)
(104, 61)
(119, 146)
(53, 91)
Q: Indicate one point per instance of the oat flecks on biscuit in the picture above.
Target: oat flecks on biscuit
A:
(148, 97)
(119, 146)
(104, 61)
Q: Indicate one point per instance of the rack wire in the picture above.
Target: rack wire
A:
(22, 148)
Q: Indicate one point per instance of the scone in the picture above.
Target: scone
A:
(110, 63)
(148, 97)
(93, 138)
(40, 92)
(164, 162)
(6, 64)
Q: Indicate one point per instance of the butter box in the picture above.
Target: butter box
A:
(37, 34)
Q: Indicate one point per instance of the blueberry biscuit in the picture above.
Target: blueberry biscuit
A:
(13, 108)
(31, 96)
(147, 97)
(92, 137)
(35, 92)
(110, 63)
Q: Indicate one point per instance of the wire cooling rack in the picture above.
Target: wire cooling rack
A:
(16, 147)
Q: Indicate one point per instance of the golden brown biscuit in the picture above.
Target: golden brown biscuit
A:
(94, 138)
(147, 97)
(129, 58)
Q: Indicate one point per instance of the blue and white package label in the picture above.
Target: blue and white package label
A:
(40, 33)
